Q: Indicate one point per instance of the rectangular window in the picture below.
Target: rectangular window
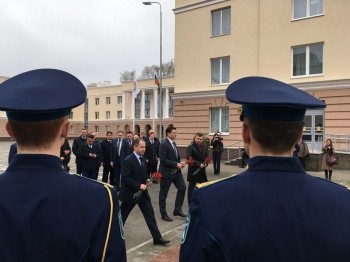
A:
(97, 101)
(307, 8)
(147, 105)
(119, 114)
(70, 115)
(120, 100)
(97, 129)
(220, 70)
(221, 22)
(108, 114)
(71, 129)
(97, 115)
(219, 119)
(108, 128)
(108, 100)
(308, 60)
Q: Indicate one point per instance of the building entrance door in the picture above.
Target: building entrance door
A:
(314, 129)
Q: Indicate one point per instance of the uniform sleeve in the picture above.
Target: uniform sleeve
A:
(195, 234)
(115, 249)
(198, 244)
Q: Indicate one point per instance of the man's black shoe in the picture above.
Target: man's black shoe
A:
(166, 218)
(179, 213)
(161, 242)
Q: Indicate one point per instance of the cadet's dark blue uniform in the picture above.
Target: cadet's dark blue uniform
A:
(47, 214)
(273, 211)
(50, 215)
(269, 213)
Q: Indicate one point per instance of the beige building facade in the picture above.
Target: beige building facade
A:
(300, 42)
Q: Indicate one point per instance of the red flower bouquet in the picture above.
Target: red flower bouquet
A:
(155, 177)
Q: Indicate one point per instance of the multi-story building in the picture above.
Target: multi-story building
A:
(300, 42)
(114, 107)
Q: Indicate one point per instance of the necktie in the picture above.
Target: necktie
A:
(152, 142)
(174, 147)
(118, 147)
(141, 160)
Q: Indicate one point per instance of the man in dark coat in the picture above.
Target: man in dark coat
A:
(46, 213)
(134, 178)
(170, 168)
(273, 211)
(90, 155)
(197, 168)
(116, 154)
(152, 153)
(65, 153)
(77, 144)
(106, 146)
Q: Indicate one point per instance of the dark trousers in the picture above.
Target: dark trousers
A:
(79, 169)
(328, 174)
(117, 169)
(216, 161)
(164, 189)
(190, 188)
(146, 208)
(108, 171)
(92, 174)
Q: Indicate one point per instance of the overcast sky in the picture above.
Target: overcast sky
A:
(94, 40)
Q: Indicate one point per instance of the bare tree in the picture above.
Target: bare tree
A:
(127, 76)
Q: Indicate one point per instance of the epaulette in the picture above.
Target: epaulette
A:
(93, 180)
(206, 184)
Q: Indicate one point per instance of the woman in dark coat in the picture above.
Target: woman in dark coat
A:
(328, 151)
(197, 155)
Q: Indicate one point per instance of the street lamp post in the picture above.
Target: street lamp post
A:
(160, 71)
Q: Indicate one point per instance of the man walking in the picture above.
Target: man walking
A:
(116, 154)
(170, 167)
(77, 144)
(108, 171)
(134, 178)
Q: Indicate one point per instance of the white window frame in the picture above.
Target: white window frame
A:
(119, 100)
(221, 23)
(307, 61)
(225, 132)
(308, 10)
(220, 70)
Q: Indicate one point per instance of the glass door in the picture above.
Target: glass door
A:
(314, 129)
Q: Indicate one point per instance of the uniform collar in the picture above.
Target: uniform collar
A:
(271, 163)
(35, 161)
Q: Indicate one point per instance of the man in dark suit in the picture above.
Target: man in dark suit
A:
(65, 153)
(170, 167)
(152, 153)
(127, 148)
(108, 171)
(90, 155)
(78, 143)
(273, 211)
(46, 213)
(134, 178)
(197, 170)
(116, 154)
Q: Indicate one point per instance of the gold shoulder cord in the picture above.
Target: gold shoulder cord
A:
(110, 222)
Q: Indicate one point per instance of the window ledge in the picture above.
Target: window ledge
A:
(306, 76)
(306, 17)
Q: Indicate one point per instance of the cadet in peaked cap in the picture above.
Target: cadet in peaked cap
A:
(46, 213)
(273, 211)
